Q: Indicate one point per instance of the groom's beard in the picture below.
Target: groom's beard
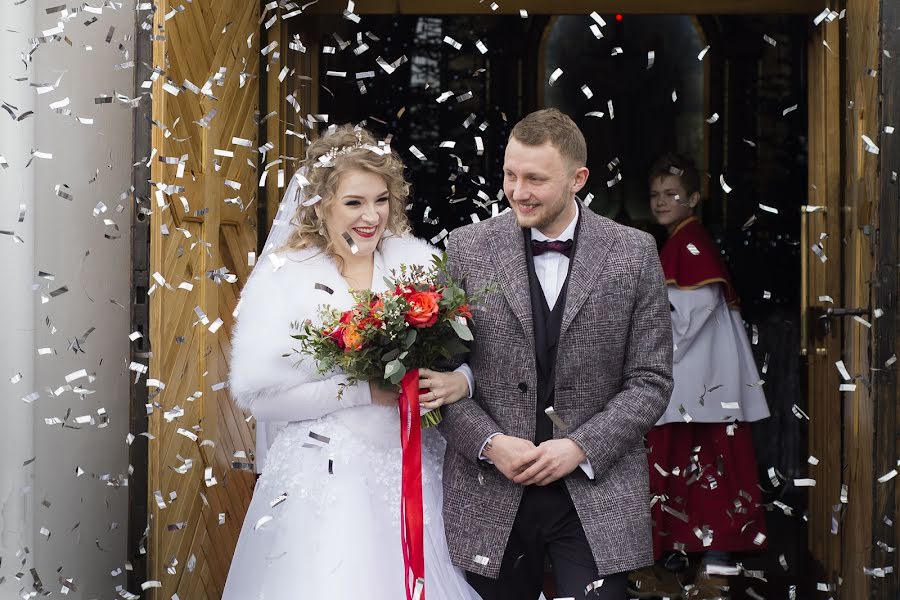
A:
(546, 215)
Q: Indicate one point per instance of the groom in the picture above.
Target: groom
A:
(572, 360)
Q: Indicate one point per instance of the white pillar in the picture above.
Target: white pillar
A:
(17, 302)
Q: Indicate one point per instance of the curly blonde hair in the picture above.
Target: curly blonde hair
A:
(347, 148)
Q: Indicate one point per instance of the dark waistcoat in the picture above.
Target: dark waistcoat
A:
(547, 325)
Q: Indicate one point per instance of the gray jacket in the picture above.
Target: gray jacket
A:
(613, 381)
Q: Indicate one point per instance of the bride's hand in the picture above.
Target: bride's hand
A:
(384, 396)
(437, 388)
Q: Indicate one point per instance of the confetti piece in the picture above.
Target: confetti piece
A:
(870, 146)
(862, 321)
(888, 476)
(417, 153)
(557, 420)
(845, 375)
(350, 242)
(598, 19)
(725, 187)
(320, 438)
(555, 75)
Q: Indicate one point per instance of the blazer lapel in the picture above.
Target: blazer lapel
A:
(591, 250)
(508, 247)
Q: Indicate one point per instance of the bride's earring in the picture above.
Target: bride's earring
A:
(321, 228)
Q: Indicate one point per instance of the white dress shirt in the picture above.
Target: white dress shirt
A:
(551, 269)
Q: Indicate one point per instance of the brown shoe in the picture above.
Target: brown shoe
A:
(654, 582)
(709, 587)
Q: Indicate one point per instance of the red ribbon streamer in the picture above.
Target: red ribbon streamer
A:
(411, 519)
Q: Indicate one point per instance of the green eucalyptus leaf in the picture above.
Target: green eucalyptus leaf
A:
(392, 369)
(462, 330)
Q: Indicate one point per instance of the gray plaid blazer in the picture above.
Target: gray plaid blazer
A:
(613, 381)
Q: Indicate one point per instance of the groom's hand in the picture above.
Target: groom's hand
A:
(552, 460)
(508, 454)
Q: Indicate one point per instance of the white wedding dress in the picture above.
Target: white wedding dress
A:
(324, 521)
(336, 533)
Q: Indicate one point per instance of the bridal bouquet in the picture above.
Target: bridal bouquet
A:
(423, 317)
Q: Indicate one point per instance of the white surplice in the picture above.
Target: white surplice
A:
(716, 379)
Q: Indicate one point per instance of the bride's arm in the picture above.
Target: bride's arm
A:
(267, 378)
(305, 401)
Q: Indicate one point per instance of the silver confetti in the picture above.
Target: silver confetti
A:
(551, 413)
(555, 75)
(352, 244)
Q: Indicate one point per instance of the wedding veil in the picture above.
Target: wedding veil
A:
(282, 226)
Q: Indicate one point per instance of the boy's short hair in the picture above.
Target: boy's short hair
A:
(680, 166)
(551, 125)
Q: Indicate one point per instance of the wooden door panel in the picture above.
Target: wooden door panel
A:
(822, 226)
(190, 544)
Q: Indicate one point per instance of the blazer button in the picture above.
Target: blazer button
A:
(523, 387)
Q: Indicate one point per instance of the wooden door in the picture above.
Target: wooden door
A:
(862, 522)
(851, 384)
(204, 172)
(821, 257)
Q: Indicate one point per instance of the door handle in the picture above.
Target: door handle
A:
(823, 321)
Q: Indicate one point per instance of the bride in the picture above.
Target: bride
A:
(324, 521)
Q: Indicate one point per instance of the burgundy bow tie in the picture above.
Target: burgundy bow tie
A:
(539, 247)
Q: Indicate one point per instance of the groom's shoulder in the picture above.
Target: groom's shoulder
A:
(481, 229)
(465, 235)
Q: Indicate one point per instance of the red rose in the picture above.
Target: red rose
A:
(337, 334)
(423, 309)
(464, 311)
(403, 291)
(376, 306)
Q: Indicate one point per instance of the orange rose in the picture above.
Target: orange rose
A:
(423, 309)
(352, 339)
